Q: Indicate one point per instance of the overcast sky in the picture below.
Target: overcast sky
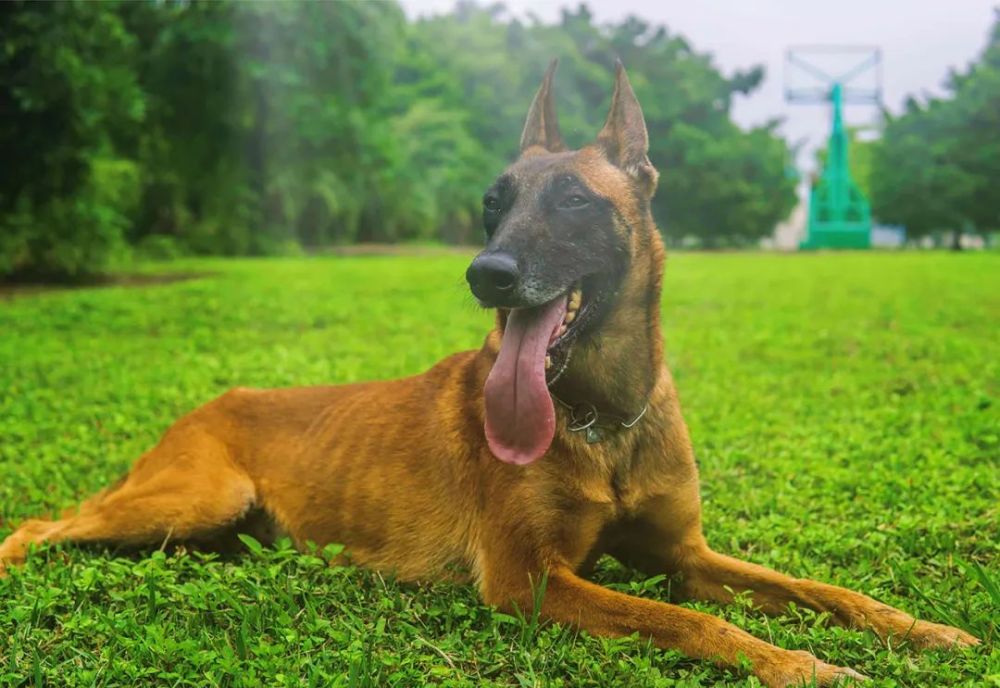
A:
(920, 41)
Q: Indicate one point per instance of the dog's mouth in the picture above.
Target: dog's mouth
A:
(535, 350)
(584, 302)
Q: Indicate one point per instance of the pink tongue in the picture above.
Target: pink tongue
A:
(520, 420)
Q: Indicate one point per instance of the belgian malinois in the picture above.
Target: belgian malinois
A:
(561, 439)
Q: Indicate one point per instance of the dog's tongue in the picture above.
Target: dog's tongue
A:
(520, 420)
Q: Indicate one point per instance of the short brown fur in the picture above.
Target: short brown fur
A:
(401, 474)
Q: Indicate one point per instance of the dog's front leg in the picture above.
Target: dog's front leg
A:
(713, 576)
(572, 600)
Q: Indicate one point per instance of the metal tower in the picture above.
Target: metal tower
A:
(839, 214)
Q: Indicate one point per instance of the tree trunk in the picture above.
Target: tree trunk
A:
(956, 240)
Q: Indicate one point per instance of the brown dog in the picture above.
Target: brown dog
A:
(558, 441)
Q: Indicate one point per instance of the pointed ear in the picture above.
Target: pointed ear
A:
(624, 139)
(542, 127)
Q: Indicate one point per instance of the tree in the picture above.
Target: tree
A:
(726, 189)
(718, 182)
(916, 182)
(194, 181)
(236, 128)
(937, 166)
(69, 96)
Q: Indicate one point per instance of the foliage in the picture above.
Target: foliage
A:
(724, 203)
(65, 193)
(250, 126)
(856, 446)
(938, 165)
(717, 181)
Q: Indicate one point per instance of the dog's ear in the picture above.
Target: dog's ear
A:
(624, 139)
(542, 127)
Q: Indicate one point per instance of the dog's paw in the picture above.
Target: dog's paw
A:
(926, 635)
(799, 668)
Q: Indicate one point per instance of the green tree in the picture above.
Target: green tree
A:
(718, 183)
(69, 98)
(916, 182)
(224, 127)
(194, 181)
(728, 189)
(937, 166)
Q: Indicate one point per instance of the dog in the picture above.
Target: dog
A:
(513, 467)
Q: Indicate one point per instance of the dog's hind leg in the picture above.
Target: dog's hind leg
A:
(184, 489)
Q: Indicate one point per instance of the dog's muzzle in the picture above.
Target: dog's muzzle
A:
(494, 278)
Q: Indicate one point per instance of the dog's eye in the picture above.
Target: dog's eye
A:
(575, 201)
(492, 213)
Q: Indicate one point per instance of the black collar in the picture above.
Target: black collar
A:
(596, 424)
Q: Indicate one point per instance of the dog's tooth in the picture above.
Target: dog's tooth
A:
(570, 316)
(561, 332)
(548, 362)
(574, 299)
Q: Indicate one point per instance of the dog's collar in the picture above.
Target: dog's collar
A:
(587, 419)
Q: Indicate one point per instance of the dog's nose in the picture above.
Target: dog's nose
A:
(493, 277)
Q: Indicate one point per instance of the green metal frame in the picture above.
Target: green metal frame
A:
(839, 214)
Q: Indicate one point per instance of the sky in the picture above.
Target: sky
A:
(920, 41)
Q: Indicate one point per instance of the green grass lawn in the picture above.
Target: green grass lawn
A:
(844, 410)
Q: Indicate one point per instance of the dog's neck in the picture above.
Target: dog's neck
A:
(615, 370)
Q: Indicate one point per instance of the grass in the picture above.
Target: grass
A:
(844, 410)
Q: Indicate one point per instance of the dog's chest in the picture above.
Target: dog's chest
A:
(619, 480)
(593, 491)
(606, 491)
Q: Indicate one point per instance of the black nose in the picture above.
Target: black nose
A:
(493, 278)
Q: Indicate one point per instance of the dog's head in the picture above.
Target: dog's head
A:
(562, 230)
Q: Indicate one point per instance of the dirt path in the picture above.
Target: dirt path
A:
(15, 290)
(398, 250)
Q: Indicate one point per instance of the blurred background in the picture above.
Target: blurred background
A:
(159, 129)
